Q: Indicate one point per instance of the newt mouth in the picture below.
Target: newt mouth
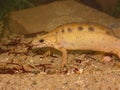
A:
(36, 45)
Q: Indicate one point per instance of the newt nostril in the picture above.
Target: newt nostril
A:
(41, 40)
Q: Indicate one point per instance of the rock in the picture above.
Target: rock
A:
(47, 17)
(101, 4)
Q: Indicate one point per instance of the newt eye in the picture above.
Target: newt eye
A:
(41, 40)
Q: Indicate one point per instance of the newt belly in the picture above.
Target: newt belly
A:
(79, 36)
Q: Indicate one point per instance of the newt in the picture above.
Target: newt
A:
(79, 36)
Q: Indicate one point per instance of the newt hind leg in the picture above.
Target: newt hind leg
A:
(117, 52)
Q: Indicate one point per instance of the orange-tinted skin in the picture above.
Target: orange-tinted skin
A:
(79, 36)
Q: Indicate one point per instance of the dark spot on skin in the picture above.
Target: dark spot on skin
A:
(116, 40)
(77, 37)
(69, 30)
(91, 29)
(62, 30)
(62, 37)
(104, 47)
(41, 40)
(103, 39)
(107, 32)
(80, 28)
(72, 44)
(56, 32)
(92, 41)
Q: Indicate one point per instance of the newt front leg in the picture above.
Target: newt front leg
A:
(64, 57)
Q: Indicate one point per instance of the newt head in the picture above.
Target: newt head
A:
(44, 41)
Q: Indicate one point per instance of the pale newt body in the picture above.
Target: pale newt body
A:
(79, 36)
